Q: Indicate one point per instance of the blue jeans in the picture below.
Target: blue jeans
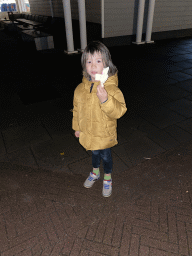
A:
(105, 155)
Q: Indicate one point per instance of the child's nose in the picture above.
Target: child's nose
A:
(93, 65)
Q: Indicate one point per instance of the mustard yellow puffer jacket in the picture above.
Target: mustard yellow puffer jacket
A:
(97, 122)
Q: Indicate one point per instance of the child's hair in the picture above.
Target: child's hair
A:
(98, 47)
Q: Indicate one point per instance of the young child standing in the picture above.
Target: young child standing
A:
(96, 110)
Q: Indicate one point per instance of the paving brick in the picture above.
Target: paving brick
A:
(189, 227)
(182, 238)
(97, 247)
(11, 230)
(84, 252)
(126, 239)
(2, 220)
(139, 215)
(76, 247)
(16, 213)
(143, 251)
(189, 238)
(82, 233)
(69, 211)
(51, 232)
(25, 237)
(40, 204)
(163, 219)
(115, 251)
(154, 213)
(47, 251)
(4, 242)
(117, 234)
(161, 245)
(172, 228)
(87, 210)
(96, 254)
(57, 248)
(156, 252)
(180, 208)
(92, 230)
(109, 229)
(184, 218)
(4, 208)
(27, 252)
(43, 240)
(58, 225)
(62, 214)
(21, 247)
(78, 212)
(76, 224)
(24, 208)
(150, 233)
(146, 224)
(31, 223)
(36, 250)
(48, 204)
(134, 246)
(144, 208)
(101, 230)
(32, 208)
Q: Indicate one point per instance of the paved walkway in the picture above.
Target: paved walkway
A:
(44, 208)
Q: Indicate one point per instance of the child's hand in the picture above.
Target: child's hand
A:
(102, 93)
(77, 133)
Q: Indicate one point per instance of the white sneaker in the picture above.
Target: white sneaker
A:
(91, 180)
(107, 188)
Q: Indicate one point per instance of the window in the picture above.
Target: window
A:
(11, 6)
(27, 5)
(8, 6)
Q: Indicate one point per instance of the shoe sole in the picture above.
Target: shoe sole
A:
(92, 184)
(88, 187)
(107, 195)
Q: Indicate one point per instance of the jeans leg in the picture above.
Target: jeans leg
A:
(96, 158)
(107, 160)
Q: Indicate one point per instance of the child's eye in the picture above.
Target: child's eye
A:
(90, 61)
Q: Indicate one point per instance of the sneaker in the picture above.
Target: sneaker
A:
(91, 180)
(107, 188)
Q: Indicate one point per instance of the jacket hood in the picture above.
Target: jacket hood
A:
(112, 80)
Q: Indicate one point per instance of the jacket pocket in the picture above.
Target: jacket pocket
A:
(110, 127)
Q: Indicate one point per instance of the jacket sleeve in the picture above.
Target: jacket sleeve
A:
(115, 106)
(75, 124)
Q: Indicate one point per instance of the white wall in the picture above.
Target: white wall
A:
(4, 15)
(172, 15)
(93, 9)
(121, 16)
(118, 17)
(41, 7)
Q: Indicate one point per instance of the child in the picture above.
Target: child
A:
(96, 110)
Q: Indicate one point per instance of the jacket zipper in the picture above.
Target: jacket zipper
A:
(91, 87)
(91, 103)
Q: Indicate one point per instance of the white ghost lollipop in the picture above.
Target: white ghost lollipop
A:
(102, 77)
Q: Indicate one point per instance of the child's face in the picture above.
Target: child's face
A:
(94, 65)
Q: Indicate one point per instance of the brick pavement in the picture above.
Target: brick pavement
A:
(51, 213)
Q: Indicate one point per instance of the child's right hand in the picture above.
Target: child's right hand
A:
(77, 133)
